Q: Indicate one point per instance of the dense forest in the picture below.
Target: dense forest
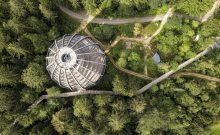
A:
(177, 106)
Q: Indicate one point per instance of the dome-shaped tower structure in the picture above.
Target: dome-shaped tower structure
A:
(75, 62)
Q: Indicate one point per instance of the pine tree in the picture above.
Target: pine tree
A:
(32, 6)
(152, 120)
(39, 42)
(37, 25)
(43, 129)
(119, 84)
(75, 3)
(135, 61)
(53, 33)
(102, 100)
(199, 7)
(117, 121)
(137, 104)
(17, 8)
(14, 25)
(34, 76)
(15, 50)
(82, 106)
(125, 86)
(90, 6)
(4, 38)
(62, 122)
(26, 119)
(46, 7)
(8, 76)
(54, 103)
(4, 8)
(28, 96)
(7, 99)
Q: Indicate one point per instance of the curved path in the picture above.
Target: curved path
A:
(163, 22)
(200, 76)
(83, 17)
(118, 21)
(71, 94)
(128, 71)
(104, 47)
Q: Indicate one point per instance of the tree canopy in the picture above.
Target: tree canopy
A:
(177, 106)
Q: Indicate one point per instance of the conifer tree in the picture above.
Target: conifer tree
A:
(152, 120)
(7, 99)
(117, 121)
(15, 50)
(8, 76)
(32, 6)
(46, 7)
(14, 25)
(54, 103)
(37, 25)
(34, 76)
(4, 8)
(102, 100)
(17, 8)
(63, 121)
(137, 104)
(4, 38)
(82, 106)
(43, 128)
(39, 42)
(28, 96)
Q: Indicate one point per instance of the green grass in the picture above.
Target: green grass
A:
(150, 29)
(215, 129)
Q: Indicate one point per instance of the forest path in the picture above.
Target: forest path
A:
(163, 22)
(211, 12)
(83, 17)
(106, 48)
(200, 76)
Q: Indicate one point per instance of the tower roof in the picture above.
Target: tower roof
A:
(75, 62)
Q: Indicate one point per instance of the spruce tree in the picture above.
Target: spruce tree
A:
(8, 76)
(34, 76)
